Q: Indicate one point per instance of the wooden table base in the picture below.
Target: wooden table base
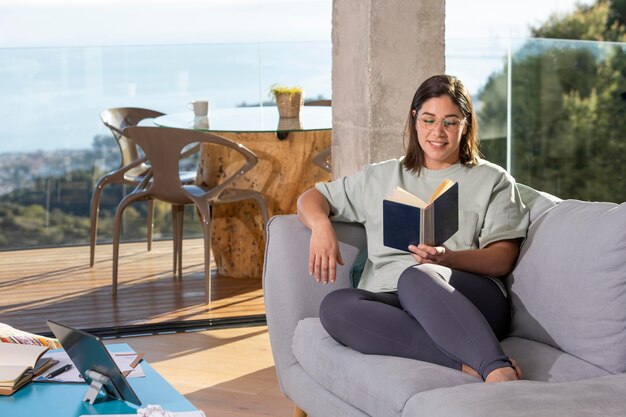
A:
(283, 172)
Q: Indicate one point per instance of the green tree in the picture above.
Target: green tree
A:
(567, 99)
(601, 21)
(54, 210)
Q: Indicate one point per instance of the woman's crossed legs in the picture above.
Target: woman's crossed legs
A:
(428, 319)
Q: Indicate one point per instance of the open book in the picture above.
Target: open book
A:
(18, 364)
(408, 220)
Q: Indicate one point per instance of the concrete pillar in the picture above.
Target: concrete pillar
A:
(382, 50)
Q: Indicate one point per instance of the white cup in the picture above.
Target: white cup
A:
(199, 107)
(200, 122)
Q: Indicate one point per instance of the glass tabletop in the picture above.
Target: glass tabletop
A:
(251, 119)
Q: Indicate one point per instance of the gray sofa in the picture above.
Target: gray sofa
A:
(568, 332)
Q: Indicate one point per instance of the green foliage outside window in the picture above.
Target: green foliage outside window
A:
(568, 131)
(53, 210)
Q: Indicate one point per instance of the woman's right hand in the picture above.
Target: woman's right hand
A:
(324, 254)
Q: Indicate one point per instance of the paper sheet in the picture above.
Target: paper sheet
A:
(124, 361)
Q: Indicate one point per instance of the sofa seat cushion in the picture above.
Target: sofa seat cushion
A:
(541, 362)
(568, 289)
(377, 385)
(597, 397)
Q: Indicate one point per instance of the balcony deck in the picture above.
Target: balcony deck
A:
(58, 284)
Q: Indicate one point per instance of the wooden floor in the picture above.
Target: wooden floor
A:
(225, 373)
(58, 284)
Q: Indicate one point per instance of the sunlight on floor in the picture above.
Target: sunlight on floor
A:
(226, 373)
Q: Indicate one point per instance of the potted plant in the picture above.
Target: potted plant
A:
(288, 100)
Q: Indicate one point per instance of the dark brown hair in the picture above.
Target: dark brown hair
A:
(438, 86)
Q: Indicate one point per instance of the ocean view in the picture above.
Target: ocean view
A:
(54, 147)
(52, 97)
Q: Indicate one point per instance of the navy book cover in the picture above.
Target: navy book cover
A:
(406, 224)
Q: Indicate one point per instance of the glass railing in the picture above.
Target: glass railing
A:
(54, 147)
(475, 62)
(551, 111)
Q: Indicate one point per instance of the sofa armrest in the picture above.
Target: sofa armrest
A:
(290, 293)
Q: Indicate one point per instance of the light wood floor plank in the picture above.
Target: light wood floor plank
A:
(58, 284)
(225, 373)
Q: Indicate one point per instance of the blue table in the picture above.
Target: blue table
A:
(66, 400)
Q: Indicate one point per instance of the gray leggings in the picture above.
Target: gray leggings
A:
(426, 319)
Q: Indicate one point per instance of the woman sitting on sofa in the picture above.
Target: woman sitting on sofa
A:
(435, 304)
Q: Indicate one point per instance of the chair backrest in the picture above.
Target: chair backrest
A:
(117, 119)
(163, 147)
(323, 159)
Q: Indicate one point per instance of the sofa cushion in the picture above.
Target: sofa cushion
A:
(377, 385)
(568, 289)
(597, 397)
(541, 362)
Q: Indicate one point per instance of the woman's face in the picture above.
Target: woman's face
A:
(440, 126)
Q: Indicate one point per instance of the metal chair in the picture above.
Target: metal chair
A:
(323, 158)
(163, 148)
(116, 119)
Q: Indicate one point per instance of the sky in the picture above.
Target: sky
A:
(73, 83)
(501, 18)
(139, 22)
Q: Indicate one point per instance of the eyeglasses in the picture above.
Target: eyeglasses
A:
(451, 124)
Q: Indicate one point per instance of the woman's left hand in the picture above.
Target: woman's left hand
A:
(425, 254)
(496, 259)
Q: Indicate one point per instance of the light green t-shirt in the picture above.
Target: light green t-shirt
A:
(490, 209)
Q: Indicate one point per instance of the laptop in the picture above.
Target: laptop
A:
(89, 354)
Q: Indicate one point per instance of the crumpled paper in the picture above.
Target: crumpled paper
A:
(154, 411)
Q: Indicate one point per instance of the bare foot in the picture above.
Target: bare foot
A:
(508, 373)
(469, 370)
(502, 375)
(518, 370)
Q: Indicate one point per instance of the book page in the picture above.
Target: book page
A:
(400, 195)
(441, 188)
(126, 361)
(10, 389)
(18, 354)
(16, 358)
(9, 374)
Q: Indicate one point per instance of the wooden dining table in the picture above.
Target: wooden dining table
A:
(284, 147)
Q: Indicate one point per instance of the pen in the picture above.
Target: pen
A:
(59, 371)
